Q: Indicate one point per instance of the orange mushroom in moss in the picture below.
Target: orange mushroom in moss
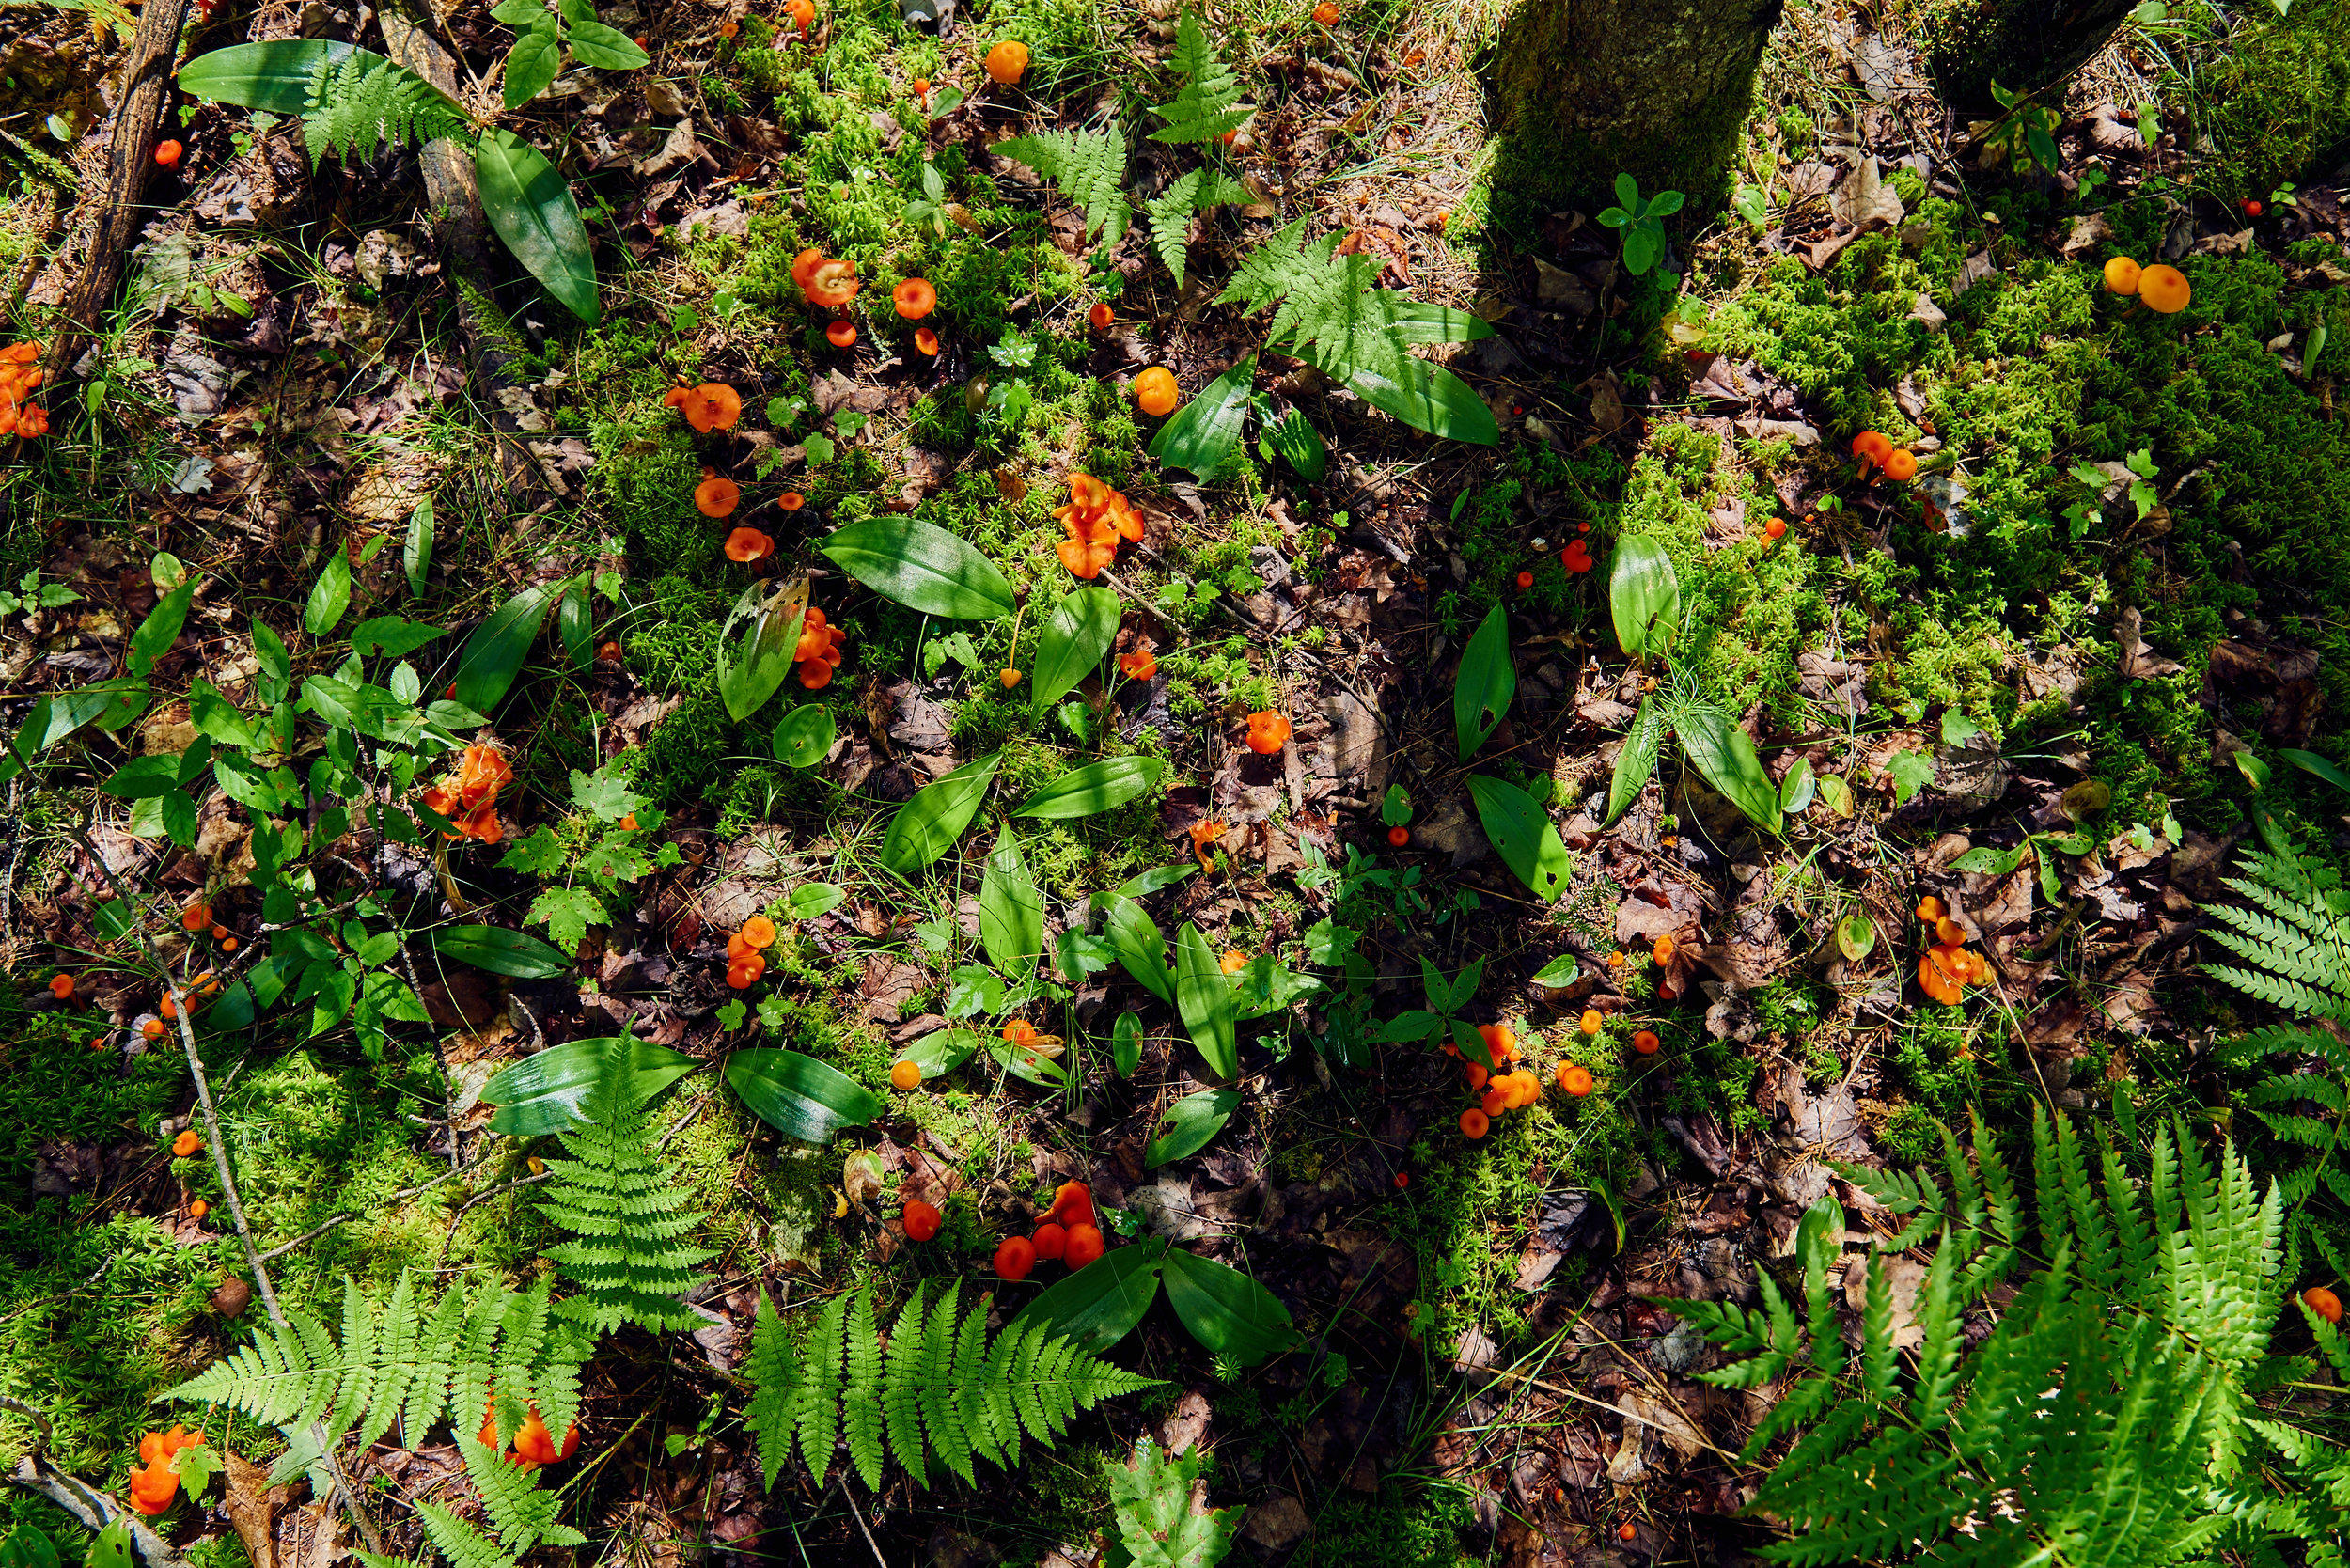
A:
(155, 1480)
(1155, 392)
(803, 267)
(2122, 276)
(1871, 447)
(1101, 316)
(914, 299)
(1140, 664)
(717, 495)
(927, 341)
(1901, 466)
(840, 334)
(801, 12)
(745, 545)
(819, 652)
(791, 500)
(2164, 288)
(711, 406)
(1268, 733)
(830, 284)
(1008, 62)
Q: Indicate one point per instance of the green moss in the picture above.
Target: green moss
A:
(1406, 1526)
(2275, 100)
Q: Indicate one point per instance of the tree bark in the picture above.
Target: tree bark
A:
(1658, 88)
(2026, 46)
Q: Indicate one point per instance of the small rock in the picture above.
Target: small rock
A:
(1275, 1526)
(232, 1298)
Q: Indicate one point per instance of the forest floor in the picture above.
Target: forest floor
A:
(2084, 633)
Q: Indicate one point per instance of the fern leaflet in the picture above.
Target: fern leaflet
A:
(1090, 166)
(359, 100)
(1171, 211)
(1209, 104)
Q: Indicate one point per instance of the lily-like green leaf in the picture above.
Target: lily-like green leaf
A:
(1189, 1124)
(1141, 948)
(1522, 834)
(921, 566)
(495, 650)
(928, 825)
(805, 736)
(752, 664)
(1102, 1302)
(1644, 596)
(1721, 751)
(1205, 1000)
(501, 951)
(1204, 433)
(528, 203)
(543, 1094)
(1079, 633)
(1486, 682)
(1012, 911)
(799, 1096)
(1635, 764)
(1096, 787)
(1226, 1310)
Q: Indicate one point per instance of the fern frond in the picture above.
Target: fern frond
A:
(1939, 1332)
(941, 1393)
(1329, 309)
(861, 1408)
(458, 1542)
(1843, 1511)
(1090, 166)
(511, 1495)
(1209, 103)
(773, 1371)
(627, 1219)
(359, 100)
(1171, 211)
(1877, 1361)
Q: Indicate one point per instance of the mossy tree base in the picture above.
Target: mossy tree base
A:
(1587, 88)
(2026, 46)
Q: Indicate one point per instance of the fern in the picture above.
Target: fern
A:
(943, 1392)
(1209, 104)
(1090, 166)
(626, 1218)
(412, 1361)
(2108, 1412)
(458, 1542)
(360, 100)
(1171, 211)
(521, 1511)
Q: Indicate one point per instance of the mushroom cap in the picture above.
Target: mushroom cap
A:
(2122, 276)
(2164, 288)
(1874, 444)
(1008, 62)
(915, 298)
(1901, 464)
(716, 497)
(926, 340)
(841, 333)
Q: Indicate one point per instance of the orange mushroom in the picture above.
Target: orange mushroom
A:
(712, 406)
(1475, 1122)
(819, 652)
(1268, 733)
(1233, 961)
(832, 284)
(791, 500)
(1100, 316)
(914, 298)
(1871, 446)
(167, 155)
(1901, 466)
(926, 340)
(905, 1074)
(2122, 276)
(716, 496)
(1140, 664)
(803, 267)
(1155, 392)
(1008, 62)
(187, 1143)
(61, 986)
(2164, 288)
(1204, 834)
(841, 334)
(1326, 13)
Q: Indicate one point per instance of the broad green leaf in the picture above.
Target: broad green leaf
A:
(811, 898)
(1226, 1310)
(928, 825)
(534, 62)
(1637, 763)
(922, 567)
(275, 76)
(1141, 948)
(543, 1094)
(1986, 861)
(27, 1548)
(390, 635)
(1143, 883)
(1522, 834)
(1910, 771)
(111, 1546)
(500, 951)
(567, 913)
(799, 1096)
(337, 990)
(1189, 1123)
(1560, 972)
(1431, 398)
(1012, 911)
(1798, 789)
(1096, 787)
(495, 652)
(1295, 440)
(2309, 761)
(1836, 794)
(1643, 596)
(1419, 322)
(941, 1051)
(1076, 636)
(606, 48)
(530, 206)
(1856, 936)
(752, 666)
(144, 777)
(415, 552)
(1486, 682)
(217, 717)
(574, 624)
(160, 628)
(805, 736)
(2255, 772)
(1204, 433)
(1721, 751)
(1204, 1000)
(1159, 1523)
(1099, 1304)
(1126, 1043)
(1030, 1066)
(330, 596)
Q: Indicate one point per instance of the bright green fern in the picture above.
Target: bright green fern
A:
(410, 1361)
(359, 100)
(2106, 1416)
(942, 1393)
(2295, 932)
(1090, 166)
(1209, 104)
(1332, 314)
(627, 1219)
(1173, 209)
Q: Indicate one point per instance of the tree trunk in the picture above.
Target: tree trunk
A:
(2026, 46)
(1656, 87)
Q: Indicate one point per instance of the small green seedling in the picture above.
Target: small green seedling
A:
(1642, 223)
